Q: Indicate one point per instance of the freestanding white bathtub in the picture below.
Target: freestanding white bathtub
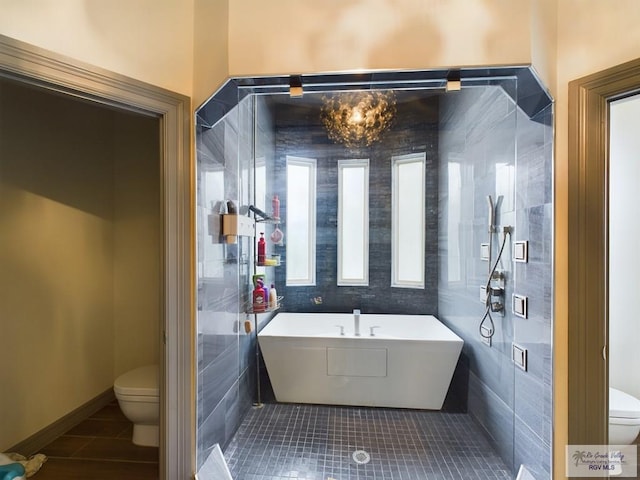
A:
(408, 363)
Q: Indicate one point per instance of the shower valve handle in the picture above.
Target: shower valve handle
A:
(497, 307)
(496, 291)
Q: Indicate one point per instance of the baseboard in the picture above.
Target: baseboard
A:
(48, 434)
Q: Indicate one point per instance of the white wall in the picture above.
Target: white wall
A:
(624, 254)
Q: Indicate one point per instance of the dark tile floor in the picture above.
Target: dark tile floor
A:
(285, 441)
(99, 448)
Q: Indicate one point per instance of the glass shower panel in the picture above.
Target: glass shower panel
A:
(477, 145)
(532, 330)
(224, 181)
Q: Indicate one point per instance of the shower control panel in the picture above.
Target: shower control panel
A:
(521, 251)
(520, 305)
(494, 297)
(484, 252)
(519, 356)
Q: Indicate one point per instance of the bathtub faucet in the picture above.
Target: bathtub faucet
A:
(356, 322)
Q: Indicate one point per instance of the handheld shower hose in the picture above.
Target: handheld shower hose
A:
(492, 269)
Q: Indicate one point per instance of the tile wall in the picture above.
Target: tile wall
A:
(226, 354)
(489, 146)
(300, 133)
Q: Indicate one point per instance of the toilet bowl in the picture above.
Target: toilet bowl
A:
(624, 417)
(139, 399)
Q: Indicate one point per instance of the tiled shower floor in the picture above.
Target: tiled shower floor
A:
(286, 441)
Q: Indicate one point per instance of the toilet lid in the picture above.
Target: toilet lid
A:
(623, 405)
(142, 381)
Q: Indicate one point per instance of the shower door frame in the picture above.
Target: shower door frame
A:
(588, 323)
(26, 63)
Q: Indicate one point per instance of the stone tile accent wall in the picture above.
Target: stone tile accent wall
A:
(300, 133)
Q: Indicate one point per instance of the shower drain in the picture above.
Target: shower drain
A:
(361, 457)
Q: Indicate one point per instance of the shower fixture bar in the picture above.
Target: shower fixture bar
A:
(312, 82)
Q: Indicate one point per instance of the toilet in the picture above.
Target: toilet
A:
(624, 417)
(139, 399)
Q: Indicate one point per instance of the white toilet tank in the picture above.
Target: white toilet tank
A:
(141, 382)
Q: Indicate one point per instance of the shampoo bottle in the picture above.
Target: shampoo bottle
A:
(259, 304)
(266, 293)
(275, 206)
(273, 297)
(262, 249)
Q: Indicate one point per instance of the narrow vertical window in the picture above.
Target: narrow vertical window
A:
(353, 222)
(301, 221)
(408, 220)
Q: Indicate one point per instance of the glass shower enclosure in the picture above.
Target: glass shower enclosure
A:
(258, 138)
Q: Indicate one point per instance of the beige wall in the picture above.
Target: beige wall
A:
(181, 45)
(592, 36)
(56, 256)
(66, 267)
(150, 40)
(211, 48)
(544, 41)
(136, 223)
(289, 36)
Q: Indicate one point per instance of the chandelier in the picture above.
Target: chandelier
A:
(358, 119)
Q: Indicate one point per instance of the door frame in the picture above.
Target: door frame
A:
(54, 72)
(588, 172)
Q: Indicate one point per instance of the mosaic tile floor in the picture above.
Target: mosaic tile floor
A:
(311, 442)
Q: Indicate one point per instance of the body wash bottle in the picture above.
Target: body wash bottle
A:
(273, 297)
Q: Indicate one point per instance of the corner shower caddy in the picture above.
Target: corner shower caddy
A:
(234, 225)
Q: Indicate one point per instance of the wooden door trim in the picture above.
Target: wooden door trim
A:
(589, 99)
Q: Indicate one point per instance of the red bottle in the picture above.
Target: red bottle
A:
(259, 303)
(262, 249)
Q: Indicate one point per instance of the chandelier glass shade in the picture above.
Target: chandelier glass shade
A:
(358, 119)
